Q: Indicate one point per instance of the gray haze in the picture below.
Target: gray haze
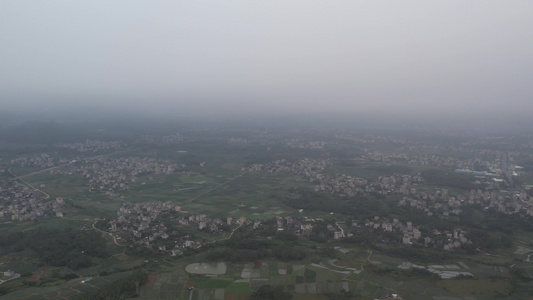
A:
(441, 57)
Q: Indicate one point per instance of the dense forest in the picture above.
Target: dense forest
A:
(71, 248)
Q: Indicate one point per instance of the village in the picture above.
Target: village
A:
(492, 193)
(164, 227)
(143, 223)
(21, 203)
(182, 224)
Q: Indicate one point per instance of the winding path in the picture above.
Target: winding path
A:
(342, 230)
(370, 255)
(110, 234)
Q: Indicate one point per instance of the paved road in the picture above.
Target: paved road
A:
(69, 163)
(40, 171)
(15, 276)
(216, 187)
(26, 183)
(224, 239)
(55, 167)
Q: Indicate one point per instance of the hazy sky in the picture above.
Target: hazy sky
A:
(395, 56)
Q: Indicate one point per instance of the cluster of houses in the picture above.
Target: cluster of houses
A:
(478, 147)
(167, 139)
(340, 184)
(21, 203)
(303, 145)
(45, 160)
(143, 224)
(437, 202)
(408, 233)
(411, 234)
(298, 225)
(109, 175)
(156, 225)
(237, 142)
(346, 185)
(38, 161)
(467, 164)
(508, 202)
(91, 146)
(306, 167)
(369, 139)
(425, 160)
(440, 203)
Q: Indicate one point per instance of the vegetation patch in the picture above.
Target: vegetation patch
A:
(239, 287)
(72, 248)
(219, 282)
(477, 287)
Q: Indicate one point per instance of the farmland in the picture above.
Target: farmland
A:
(206, 215)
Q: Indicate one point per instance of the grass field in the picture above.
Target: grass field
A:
(240, 286)
(477, 287)
(57, 289)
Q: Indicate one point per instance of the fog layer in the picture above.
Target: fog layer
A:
(406, 57)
